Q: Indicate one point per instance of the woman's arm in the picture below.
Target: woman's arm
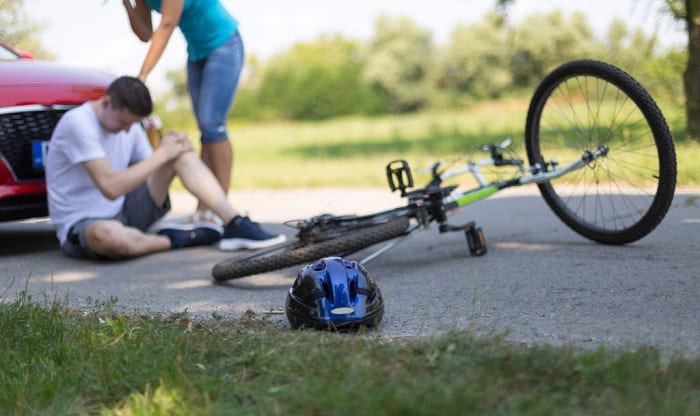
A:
(171, 10)
(139, 18)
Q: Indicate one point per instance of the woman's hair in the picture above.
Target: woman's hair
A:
(132, 94)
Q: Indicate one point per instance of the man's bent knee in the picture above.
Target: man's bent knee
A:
(104, 238)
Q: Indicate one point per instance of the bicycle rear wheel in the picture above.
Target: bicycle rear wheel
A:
(297, 253)
(622, 196)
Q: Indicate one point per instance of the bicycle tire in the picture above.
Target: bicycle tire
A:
(632, 186)
(275, 259)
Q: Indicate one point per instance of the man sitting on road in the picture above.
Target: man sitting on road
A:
(106, 186)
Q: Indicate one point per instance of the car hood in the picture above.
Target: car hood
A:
(24, 82)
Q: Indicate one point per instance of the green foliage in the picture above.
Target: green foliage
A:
(677, 8)
(630, 50)
(400, 69)
(399, 63)
(63, 363)
(315, 81)
(474, 63)
(663, 76)
(20, 31)
(174, 106)
(544, 41)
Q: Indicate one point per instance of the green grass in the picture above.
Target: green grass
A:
(353, 152)
(58, 362)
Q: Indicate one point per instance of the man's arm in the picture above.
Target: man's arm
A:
(115, 184)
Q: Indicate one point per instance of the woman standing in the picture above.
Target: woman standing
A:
(214, 63)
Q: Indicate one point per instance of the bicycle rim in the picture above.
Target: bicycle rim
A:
(622, 196)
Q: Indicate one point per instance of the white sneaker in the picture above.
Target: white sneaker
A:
(207, 218)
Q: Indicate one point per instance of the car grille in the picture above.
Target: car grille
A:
(19, 127)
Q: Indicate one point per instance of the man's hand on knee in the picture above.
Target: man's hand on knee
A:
(174, 144)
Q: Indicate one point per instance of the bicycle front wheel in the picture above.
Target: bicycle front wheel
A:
(295, 254)
(622, 196)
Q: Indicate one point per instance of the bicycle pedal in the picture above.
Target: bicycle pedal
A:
(476, 240)
(398, 173)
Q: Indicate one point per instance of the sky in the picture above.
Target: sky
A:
(96, 33)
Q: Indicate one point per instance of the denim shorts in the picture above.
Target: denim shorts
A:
(212, 84)
(139, 211)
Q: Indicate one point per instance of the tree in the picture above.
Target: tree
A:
(543, 41)
(315, 80)
(687, 11)
(18, 30)
(474, 63)
(399, 63)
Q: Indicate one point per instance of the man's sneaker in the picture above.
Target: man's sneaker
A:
(207, 218)
(242, 233)
(199, 236)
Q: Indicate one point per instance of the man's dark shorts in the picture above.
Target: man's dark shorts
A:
(139, 211)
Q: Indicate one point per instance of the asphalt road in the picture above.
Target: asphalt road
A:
(539, 283)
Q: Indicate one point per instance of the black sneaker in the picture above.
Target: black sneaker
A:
(198, 236)
(242, 233)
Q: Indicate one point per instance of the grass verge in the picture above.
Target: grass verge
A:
(353, 151)
(58, 362)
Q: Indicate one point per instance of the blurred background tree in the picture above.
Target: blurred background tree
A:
(687, 11)
(475, 62)
(543, 41)
(399, 68)
(316, 80)
(399, 61)
(19, 31)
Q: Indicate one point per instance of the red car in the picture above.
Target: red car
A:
(33, 96)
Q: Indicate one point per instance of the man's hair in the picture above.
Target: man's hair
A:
(132, 94)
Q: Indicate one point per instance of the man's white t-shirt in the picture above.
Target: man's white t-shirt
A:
(78, 138)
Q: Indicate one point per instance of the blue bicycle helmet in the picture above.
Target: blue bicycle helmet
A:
(334, 293)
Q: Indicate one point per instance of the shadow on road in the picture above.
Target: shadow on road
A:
(21, 238)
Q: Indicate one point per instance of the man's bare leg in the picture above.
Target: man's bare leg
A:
(218, 157)
(202, 183)
(113, 239)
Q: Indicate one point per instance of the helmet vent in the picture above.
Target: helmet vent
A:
(353, 289)
(327, 291)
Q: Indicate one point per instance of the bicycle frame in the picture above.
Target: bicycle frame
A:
(616, 193)
(538, 173)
